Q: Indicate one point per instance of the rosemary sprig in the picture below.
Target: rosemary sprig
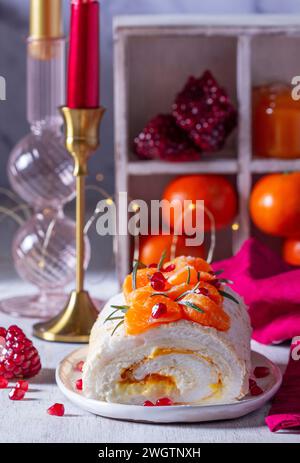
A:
(116, 327)
(191, 305)
(229, 296)
(159, 294)
(225, 280)
(134, 273)
(218, 272)
(189, 276)
(186, 293)
(162, 260)
(123, 308)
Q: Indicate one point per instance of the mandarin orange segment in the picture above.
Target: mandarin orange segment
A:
(199, 264)
(209, 313)
(186, 274)
(177, 290)
(138, 318)
(143, 277)
(212, 292)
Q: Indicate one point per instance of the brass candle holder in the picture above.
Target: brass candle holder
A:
(75, 321)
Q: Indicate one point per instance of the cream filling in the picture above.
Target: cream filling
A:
(172, 379)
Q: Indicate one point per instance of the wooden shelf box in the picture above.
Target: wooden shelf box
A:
(154, 56)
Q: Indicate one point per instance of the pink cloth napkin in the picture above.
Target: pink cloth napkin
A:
(285, 411)
(270, 288)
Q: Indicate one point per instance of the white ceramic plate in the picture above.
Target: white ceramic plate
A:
(66, 377)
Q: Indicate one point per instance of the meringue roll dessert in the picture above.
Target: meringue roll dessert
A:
(177, 334)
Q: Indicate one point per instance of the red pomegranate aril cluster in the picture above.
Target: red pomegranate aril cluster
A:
(19, 359)
(204, 111)
(158, 310)
(163, 402)
(261, 372)
(163, 139)
(56, 410)
(158, 281)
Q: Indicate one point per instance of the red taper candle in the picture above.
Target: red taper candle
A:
(83, 68)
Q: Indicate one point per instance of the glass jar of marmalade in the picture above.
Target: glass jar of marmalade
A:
(276, 122)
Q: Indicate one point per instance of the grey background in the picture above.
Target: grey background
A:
(13, 31)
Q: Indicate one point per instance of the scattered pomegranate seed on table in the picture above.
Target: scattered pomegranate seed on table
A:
(79, 384)
(56, 410)
(24, 385)
(148, 403)
(158, 310)
(164, 402)
(261, 372)
(3, 383)
(16, 394)
(79, 366)
(19, 359)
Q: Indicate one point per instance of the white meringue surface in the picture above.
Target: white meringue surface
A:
(184, 361)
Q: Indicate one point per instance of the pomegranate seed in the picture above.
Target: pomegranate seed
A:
(3, 383)
(16, 394)
(158, 310)
(164, 402)
(169, 268)
(261, 372)
(79, 366)
(216, 283)
(56, 410)
(24, 385)
(148, 403)
(20, 359)
(203, 291)
(158, 276)
(2, 332)
(152, 266)
(256, 390)
(158, 281)
(252, 383)
(79, 384)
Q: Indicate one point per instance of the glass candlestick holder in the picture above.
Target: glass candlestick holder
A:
(44, 254)
(40, 171)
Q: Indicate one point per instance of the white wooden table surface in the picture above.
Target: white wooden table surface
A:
(27, 421)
